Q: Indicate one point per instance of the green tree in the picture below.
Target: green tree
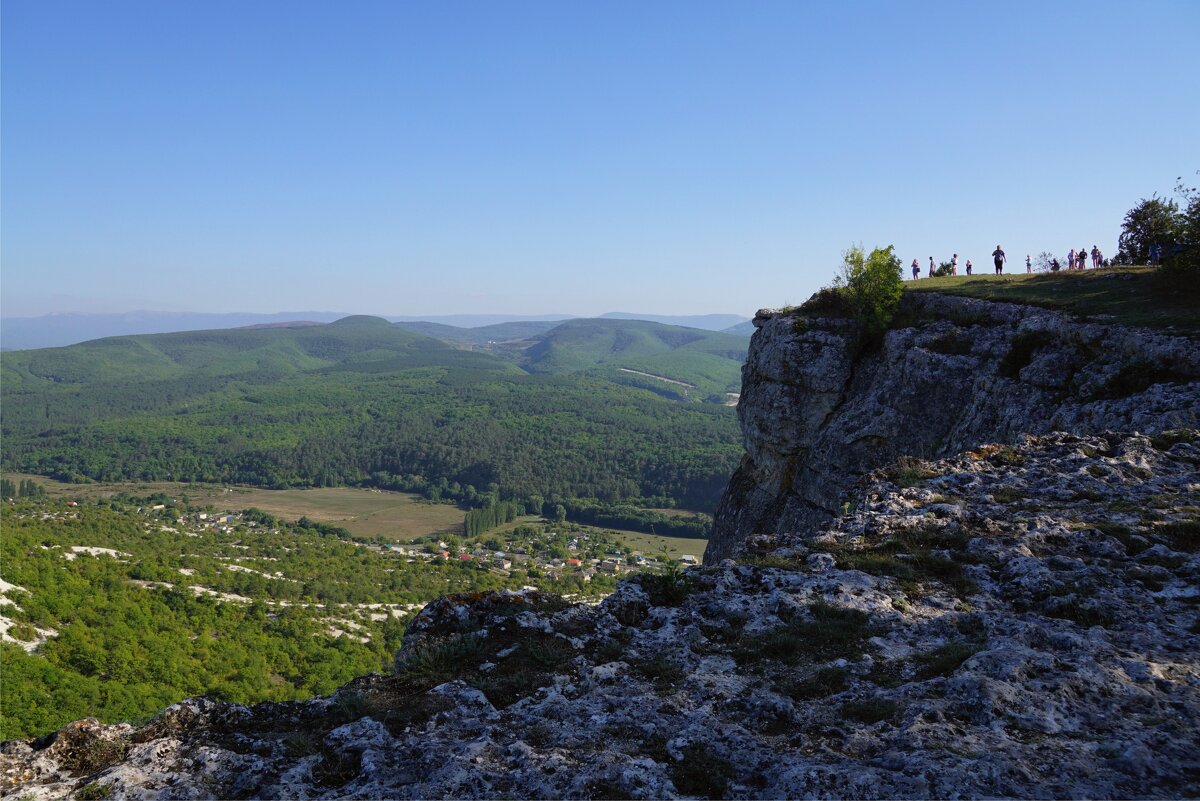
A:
(7, 488)
(1153, 221)
(1187, 262)
(872, 285)
(560, 513)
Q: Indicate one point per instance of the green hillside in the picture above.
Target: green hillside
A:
(684, 362)
(481, 335)
(362, 402)
(218, 352)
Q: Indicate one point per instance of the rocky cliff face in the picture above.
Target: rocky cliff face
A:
(1019, 621)
(1022, 619)
(818, 412)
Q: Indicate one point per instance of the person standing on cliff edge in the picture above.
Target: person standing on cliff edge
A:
(998, 259)
(916, 270)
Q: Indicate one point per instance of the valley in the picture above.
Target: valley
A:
(360, 402)
(247, 606)
(280, 501)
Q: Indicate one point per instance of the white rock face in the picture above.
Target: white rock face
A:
(1013, 622)
(818, 411)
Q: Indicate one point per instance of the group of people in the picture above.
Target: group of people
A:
(1076, 260)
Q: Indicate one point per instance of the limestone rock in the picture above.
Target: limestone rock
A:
(1015, 622)
(818, 411)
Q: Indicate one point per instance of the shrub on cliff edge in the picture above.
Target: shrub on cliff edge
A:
(871, 285)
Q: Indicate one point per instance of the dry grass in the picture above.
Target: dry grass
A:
(653, 544)
(1142, 296)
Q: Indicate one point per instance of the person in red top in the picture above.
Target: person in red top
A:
(998, 258)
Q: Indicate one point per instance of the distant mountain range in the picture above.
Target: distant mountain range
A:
(591, 408)
(57, 330)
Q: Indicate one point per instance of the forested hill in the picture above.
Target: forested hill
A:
(481, 335)
(675, 361)
(682, 354)
(358, 401)
(249, 352)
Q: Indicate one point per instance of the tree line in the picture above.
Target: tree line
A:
(27, 488)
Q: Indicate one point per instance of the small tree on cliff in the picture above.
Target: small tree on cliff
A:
(871, 285)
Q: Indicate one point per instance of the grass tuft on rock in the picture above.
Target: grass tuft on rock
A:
(871, 710)
(702, 772)
(830, 632)
(945, 660)
(1182, 536)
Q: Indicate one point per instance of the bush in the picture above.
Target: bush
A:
(669, 588)
(829, 301)
(871, 285)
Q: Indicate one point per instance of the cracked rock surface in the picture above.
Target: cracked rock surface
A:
(819, 409)
(1020, 620)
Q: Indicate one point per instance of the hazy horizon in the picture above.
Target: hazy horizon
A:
(67, 328)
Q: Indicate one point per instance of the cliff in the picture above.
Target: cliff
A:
(1021, 621)
(1020, 618)
(819, 410)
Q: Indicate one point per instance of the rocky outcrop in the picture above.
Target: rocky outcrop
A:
(1019, 621)
(819, 410)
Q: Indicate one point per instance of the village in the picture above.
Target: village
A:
(536, 548)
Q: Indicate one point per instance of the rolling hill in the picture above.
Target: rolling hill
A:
(688, 363)
(361, 401)
(482, 335)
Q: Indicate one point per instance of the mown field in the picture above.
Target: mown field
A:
(376, 514)
(373, 514)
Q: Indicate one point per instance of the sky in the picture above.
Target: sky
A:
(405, 158)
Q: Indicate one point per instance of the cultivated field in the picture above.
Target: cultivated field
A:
(387, 516)
(390, 516)
(651, 544)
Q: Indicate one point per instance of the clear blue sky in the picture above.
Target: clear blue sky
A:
(572, 157)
